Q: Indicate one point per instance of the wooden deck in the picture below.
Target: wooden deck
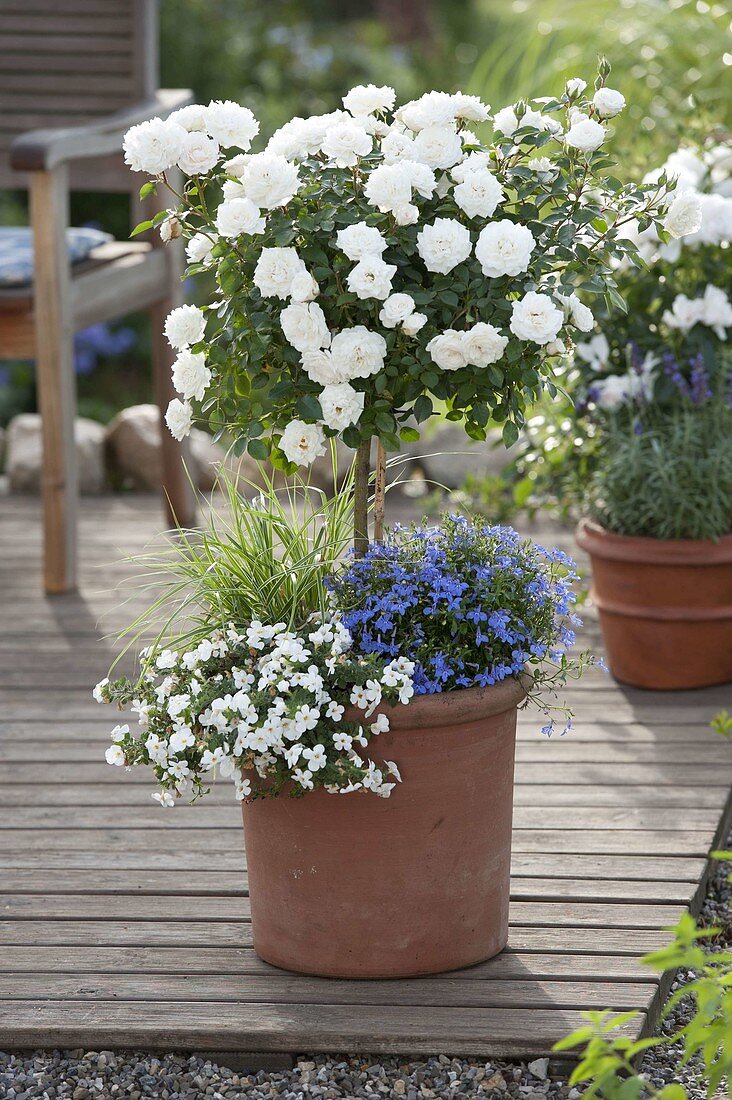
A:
(124, 925)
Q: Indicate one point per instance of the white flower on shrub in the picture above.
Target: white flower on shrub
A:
(367, 99)
(543, 166)
(237, 216)
(413, 323)
(448, 350)
(270, 180)
(506, 121)
(684, 215)
(478, 194)
(396, 309)
(191, 117)
(443, 245)
(304, 287)
(345, 142)
(431, 109)
(585, 134)
(302, 443)
(191, 376)
(684, 313)
(608, 102)
(275, 270)
(179, 418)
(230, 124)
(713, 309)
(360, 240)
(438, 146)
(595, 352)
(305, 326)
(470, 107)
(396, 146)
(357, 352)
(342, 405)
(535, 317)
(504, 248)
(198, 249)
(184, 326)
(575, 86)
(580, 314)
(716, 221)
(483, 344)
(717, 310)
(320, 368)
(199, 155)
(389, 187)
(153, 146)
(371, 278)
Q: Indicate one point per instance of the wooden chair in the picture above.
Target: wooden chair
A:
(74, 75)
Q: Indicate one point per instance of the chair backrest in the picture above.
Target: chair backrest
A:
(66, 62)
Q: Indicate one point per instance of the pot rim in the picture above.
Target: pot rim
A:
(600, 543)
(448, 707)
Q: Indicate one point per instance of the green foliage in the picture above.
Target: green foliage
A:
(722, 723)
(672, 479)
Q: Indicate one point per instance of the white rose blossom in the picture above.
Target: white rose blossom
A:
(585, 135)
(154, 146)
(191, 376)
(345, 142)
(304, 287)
(608, 102)
(302, 443)
(305, 326)
(504, 248)
(270, 180)
(371, 278)
(199, 154)
(535, 317)
(438, 146)
(413, 323)
(448, 350)
(230, 124)
(342, 405)
(483, 344)
(239, 216)
(368, 99)
(184, 326)
(275, 270)
(191, 117)
(579, 313)
(198, 249)
(360, 240)
(357, 352)
(684, 215)
(443, 245)
(320, 367)
(478, 194)
(179, 418)
(396, 309)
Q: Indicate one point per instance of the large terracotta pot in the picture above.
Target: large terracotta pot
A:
(358, 886)
(665, 607)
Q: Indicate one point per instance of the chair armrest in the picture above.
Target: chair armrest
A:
(43, 150)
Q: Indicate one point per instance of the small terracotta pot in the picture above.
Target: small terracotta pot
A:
(358, 886)
(665, 607)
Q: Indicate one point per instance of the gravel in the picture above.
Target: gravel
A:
(95, 1075)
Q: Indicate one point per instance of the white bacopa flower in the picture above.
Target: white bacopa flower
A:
(396, 309)
(389, 186)
(448, 350)
(371, 278)
(179, 418)
(483, 344)
(304, 287)
(237, 216)
(115, 754)
(165, 798)
(438, 146)
(535, 317)
(684, 215)
(191, 117)
(367, 99)
(357, 353)
(305, 326)
(191, 376)
(396, 146)
(275, 270)
(341, 405)
(585, 135)
(302, 443)
(608, 102)
(443, 245)
(99, 691)
(478, 194)
(269, 180)
(360, 240)
(184, 326)
(413, 323)
(119, 733)
(153, 146)
(199, 154)
(320, 368)
(316, 757)
(230, 124)
(579, 313)
(304, 777)
(345, 142)
(504, 248)
(342, 741)
(198, 249)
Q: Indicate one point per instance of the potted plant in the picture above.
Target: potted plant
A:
(369, 263)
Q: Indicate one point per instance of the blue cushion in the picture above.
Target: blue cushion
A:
(16, 251)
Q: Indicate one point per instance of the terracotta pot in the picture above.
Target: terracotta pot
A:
(665, 607)
(358, 886)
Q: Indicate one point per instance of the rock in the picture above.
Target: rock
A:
(207, 459)
(495, 1081)
(133, 442)
(448, 455)
(539, 1068)
(25, 449)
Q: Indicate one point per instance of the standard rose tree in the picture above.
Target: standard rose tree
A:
(374, 261)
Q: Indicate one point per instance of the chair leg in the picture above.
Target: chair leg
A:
(55, 380)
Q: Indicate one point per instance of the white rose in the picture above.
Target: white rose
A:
(170, 229)
(717, 310)
(474, 162)
(345, 142)
(684, 313)
(422, 177)
(153, 146)
(470, 107)
(291, 140)
(304, 287)
(191, 376)
(575, 86)
(448, 350)
(302, 443)
(237, 216)
(198, 249)
(504, 248)
(270, 180)
(184, 326)
(542, 166)
(199, 155)
(389, 186)
(586, 135)
(305, 326)
(535, 317)
(610, 392)
(275, 270)
(406, 215)
(412, 324)
(479, 194)
(397, 146)
(580, 314)
(320, 368)
(438, 146)
(371, 278)
(431, 109)
(608, 102)
(357, 352)
(341, 405)
(716, 220)
(596, 352)
(360, 240)
(483, 344)
(443, 245)
(179, 418)
(506, 121)
(684, 215)
(366, 99)
(686, 167)
(191, 117)
(231, 124)
(396, 309)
